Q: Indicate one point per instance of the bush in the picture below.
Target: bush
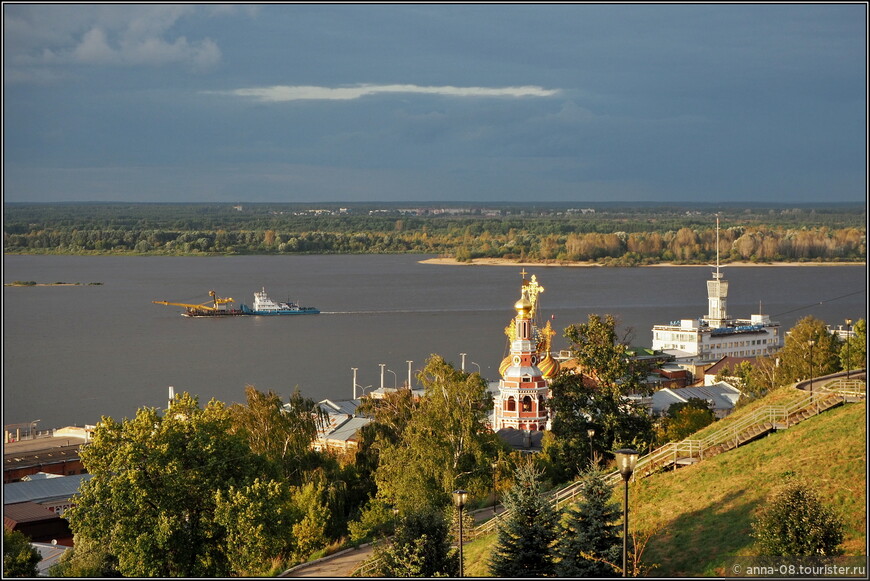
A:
(795, 523)
(20, 558)
(377, 519)
(421, 547)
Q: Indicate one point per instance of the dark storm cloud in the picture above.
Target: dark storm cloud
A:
(427, 102)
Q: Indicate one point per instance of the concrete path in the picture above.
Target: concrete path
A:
(341, 564)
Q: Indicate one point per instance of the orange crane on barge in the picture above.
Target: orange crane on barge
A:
(218, 306)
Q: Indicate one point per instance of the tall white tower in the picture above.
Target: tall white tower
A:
(717, 292)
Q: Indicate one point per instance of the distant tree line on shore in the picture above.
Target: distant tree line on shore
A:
(623, 238)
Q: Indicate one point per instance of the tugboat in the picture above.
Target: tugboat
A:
(222, 307)
(263, 305)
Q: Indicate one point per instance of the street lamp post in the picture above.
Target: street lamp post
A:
(812, 391)
(478, 367)
(626, 460)
(494, 497)
(848, 346)
(459, 498)
(591, 432)
(395, 379)
(32, 424)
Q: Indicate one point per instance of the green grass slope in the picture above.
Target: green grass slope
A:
(702, 514)
(699, 517)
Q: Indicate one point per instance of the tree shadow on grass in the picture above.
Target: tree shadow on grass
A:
(703, 542)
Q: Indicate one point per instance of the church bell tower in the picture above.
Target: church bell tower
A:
(523, 387)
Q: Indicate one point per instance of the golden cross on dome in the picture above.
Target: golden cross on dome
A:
(511, 332)
(546, 338)
(533, 289)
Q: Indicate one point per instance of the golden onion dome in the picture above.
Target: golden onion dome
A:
(523, 306)
(505, 363)
(549, 367)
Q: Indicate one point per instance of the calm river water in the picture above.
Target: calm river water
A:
(72, 354)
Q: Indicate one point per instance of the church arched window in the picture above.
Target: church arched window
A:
(527, 404)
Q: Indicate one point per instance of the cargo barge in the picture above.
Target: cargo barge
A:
(222, 307)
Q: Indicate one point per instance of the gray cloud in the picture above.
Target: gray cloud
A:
(38, 39)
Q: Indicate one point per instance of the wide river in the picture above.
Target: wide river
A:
(75, 353)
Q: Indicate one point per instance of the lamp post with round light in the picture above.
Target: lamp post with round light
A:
(591, 433)
(626, 460)
(812, 392)
(32, 426)
(494, 488)
(459, 498)
(848, 346)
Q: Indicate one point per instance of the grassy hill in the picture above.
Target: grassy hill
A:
(700, 516)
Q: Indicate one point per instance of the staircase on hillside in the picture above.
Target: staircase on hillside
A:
(750, 427)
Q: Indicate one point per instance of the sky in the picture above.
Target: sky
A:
(435, 102)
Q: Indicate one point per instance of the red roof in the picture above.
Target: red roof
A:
(25, 512)
(727, 362)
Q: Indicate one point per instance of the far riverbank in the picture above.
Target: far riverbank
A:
(588, 264)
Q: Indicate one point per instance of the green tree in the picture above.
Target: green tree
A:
(310, 532)
(86, 559)
(280, 433)
(597, 397)
(151, 500)
(795, 523)
(446, 444)
(795, 362)
(684, 419)
(258, 520)
(590, 542)
(20, 558)
(376, 519)
(853, 353)
(524, 546)
(754, 379)
(421, 547)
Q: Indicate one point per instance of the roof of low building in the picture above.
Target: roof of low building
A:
(44, 489)
(344, 406)
(516, 439)
(347, 430)
(50, 554)
(722, 395)
(727, 362)
(25, 512)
